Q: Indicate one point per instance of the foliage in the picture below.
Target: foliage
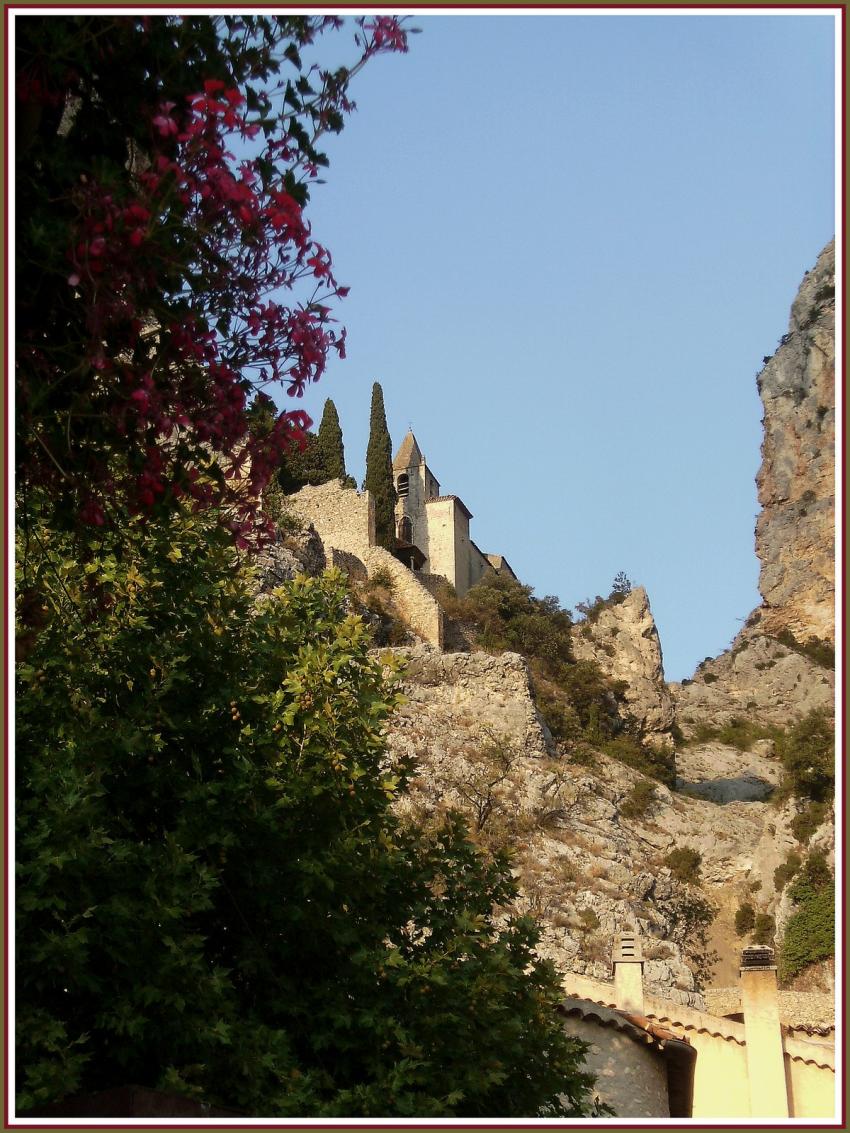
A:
(805, 822)
(784, 872)
(318, 458)
(381, 576)
(745, 919)
(809, 935)
(620, 590)
(214, 895)
(621, 585)
(160, 278)
(691, 917)
(329, 444)
(810, 931)
(656, 762)
(814, 877)
(764, 929)
(684, 863)
(807, 751)
(736, 732)
(822, 653)
(573, 696)
(589, 920)
(379, 471)
(639, 801)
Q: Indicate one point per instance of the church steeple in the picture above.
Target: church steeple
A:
(409, 454)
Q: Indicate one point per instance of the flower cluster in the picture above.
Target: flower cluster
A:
(179, 276)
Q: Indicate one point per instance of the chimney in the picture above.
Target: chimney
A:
(765, 1055)
(628, 971)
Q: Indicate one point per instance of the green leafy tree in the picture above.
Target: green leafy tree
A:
(214, 893)
(379, 471)
(809, 935)
(319, 458)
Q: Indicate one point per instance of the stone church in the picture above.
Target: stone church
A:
(432, 530)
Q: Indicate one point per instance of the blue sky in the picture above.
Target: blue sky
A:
(570, 241)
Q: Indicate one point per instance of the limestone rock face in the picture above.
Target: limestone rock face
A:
(623, 641)
(492, 691)
(584, 863)
(796, 481)
(299, 552)
(759, 679)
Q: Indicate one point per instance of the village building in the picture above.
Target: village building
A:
(432, 530)
(657, 1058)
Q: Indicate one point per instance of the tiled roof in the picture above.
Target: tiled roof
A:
(676, 1018)
(458, 501)
(637, 1027)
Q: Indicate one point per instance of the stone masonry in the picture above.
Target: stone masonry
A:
(345, 521)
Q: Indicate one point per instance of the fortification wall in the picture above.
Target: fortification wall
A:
(345, 521)
(343, 517)
(440, 519)
(415, 604)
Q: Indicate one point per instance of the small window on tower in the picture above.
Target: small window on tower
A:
(403, 484)
(405, 530)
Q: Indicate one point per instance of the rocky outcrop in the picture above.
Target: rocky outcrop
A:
(778, 668)
(796, 481)
(297, 552)
(622, 639)
(758, 679)
(489, 694)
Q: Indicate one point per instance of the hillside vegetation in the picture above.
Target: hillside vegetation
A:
(583, 709)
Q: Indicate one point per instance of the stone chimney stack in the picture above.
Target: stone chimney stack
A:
(628, 971)
(765, 1056)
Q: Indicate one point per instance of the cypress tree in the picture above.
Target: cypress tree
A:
(329, 447)
(379, 471)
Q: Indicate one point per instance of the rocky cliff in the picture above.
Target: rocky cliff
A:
(623, 641)
(779, 666)
(796, 481)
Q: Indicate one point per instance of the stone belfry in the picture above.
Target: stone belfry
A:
(414, 485)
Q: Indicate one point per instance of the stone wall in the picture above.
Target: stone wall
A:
(479, 564)
(343, 517)
(431, 582)
(494, 692)
(631, 1076)
(442, 516)
(345, 521)
(349, 564)
(418, 608)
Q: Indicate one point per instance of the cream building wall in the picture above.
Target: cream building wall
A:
(438, 524)
(722, 1087)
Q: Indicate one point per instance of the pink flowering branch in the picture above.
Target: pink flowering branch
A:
(197, 283)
